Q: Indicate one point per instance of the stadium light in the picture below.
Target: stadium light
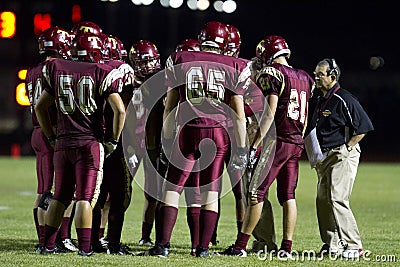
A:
(203, 4)
(137, 2)
(175, 3)
(147, 2)
(7, 24)
(192, 4)
(218, 6)
(164, 3)
(229, 6)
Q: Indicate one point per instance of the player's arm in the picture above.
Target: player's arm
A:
(267, 119)
(42, 106)
(169, 122)
(239, 120)
(118, 108)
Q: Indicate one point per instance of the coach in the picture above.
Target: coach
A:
(339, 123)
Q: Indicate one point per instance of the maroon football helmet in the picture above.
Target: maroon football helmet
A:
(87, 47)
(214, 34)
(188, 45)
(144, 58)
(271, 47)
(114, 48)
(233, 48)
(55, 40)
(86, 26)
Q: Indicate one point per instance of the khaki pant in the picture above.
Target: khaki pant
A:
(336, 175)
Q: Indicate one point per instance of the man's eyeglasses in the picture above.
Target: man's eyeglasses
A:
(320, 74)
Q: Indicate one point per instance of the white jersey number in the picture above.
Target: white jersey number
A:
(66, 99)
(297, 109)
(214, 89)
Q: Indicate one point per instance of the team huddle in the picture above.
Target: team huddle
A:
(98, 111)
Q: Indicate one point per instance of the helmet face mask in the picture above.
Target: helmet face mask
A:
(144, 58)
(215, 35)
(233, 48)
(55, 41)
(271, 47)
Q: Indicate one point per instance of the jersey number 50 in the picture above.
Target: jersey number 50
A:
(85, 95)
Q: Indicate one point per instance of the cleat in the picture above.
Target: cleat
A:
(119, 250)
(234, 251)
(55, 250)
(202, 252)
(68, 245)
(353, 253)
(157, 250)
(85, 254)
(145, 242)
(98, 248)
(193, 252)
(104, 242)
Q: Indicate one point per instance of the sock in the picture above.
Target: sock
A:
(84, 238)
(101, 233)
(157, 223)
(116, 218)
(64, 231)
(50, 236)
(41, 235)
(208, 219)
(146, 230)
(242, 240)
(35, 218)
(96, 221)
(239, 225)
(168, 216)
(286, 245)
(193, 220)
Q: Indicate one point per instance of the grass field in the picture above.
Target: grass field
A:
(374, 201)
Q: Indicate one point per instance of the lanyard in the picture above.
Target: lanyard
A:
(326, 102)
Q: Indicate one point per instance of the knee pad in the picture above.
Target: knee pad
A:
(45, 200)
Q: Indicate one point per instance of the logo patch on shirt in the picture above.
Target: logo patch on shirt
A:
(326, 113)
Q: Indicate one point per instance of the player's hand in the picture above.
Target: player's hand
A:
(240, 158)
(52, 140)
(110, 146)
(163, 158)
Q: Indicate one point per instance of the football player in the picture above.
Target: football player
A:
(116, 187)
(53, 42)
(287, 91)
(203, 98)
(145, 60)
(80, 90)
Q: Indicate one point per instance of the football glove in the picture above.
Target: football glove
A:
(52, 140)
(110, 146)
(252, 157)
(240, 158)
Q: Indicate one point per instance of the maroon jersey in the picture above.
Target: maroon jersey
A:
(80, 90)
(127, 73)
(206, 81)
(293, 87)
(34, 86)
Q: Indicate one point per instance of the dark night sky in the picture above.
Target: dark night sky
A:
(349, 32)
